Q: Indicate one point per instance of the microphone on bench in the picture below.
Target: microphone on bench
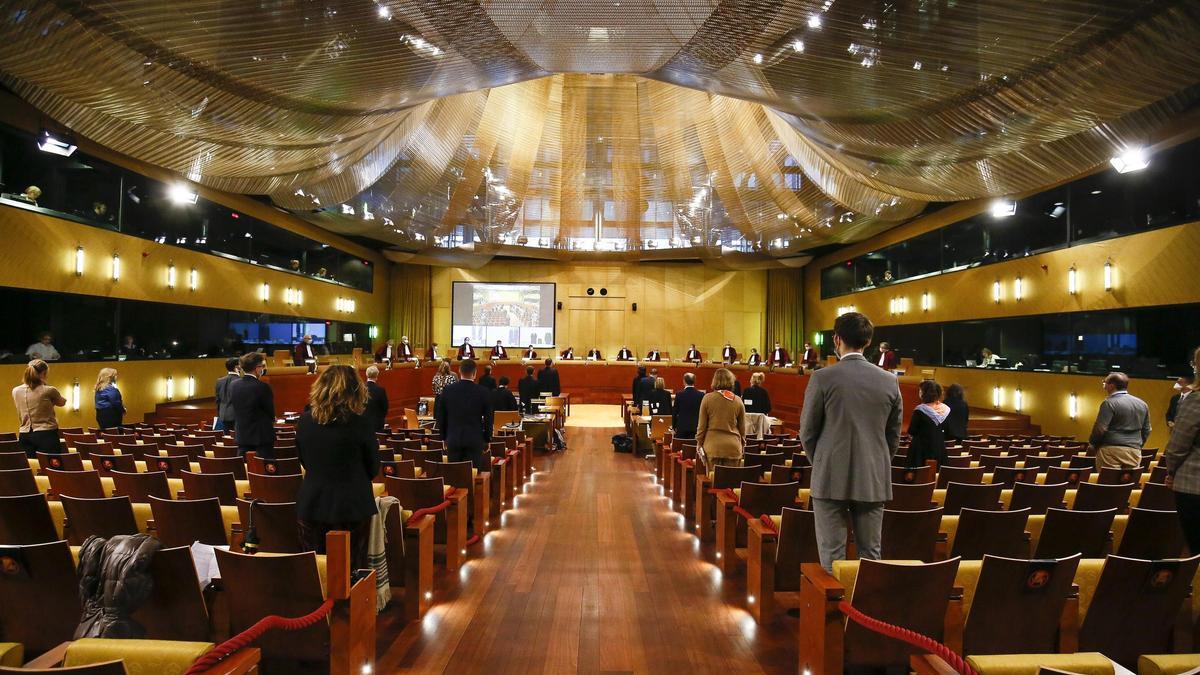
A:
(250, 541)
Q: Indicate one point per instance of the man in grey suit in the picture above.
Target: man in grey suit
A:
(850, 427)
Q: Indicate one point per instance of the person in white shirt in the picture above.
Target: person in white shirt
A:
(499, 352)
(466, 351)
(728, 353)
(530, 353)
(405, 350)
(986, 358)
(43, 349)
(693, 354)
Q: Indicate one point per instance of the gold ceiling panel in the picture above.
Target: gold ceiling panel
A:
(573, 125)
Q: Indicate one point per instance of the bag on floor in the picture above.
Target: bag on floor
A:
(622, 443)
(560, 440)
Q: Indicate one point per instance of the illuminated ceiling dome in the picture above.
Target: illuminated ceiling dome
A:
(761, 126)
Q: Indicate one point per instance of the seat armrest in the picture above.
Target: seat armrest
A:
(51, 659)
(823, 581)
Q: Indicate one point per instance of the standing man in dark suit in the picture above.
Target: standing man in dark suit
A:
(643, 388)
(548, 379)
(377, 400)
(224, 404)
(686, 413)
(850, 428)
(253, 409)
(464, 417)
(486, 380)
(528, 388)
(502, 398)
(1183, 386)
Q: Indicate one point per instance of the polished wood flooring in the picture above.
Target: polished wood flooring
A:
(591, 573)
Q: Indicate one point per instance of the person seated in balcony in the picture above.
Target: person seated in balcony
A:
(499, 352)
(728, 354)
(567, 354)
(624, 354)
(529, 354)
(131, 349)
(31, 195)
(755, 359)
(654, 355)
(887, 277)
(294, 265)
(43, 349)
(986, 358)
(594, 355)
(693, 354)
(100, 213)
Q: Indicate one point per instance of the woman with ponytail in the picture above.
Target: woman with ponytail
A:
(35, 402)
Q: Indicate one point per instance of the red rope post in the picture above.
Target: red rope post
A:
(908, 636)
(273, 622)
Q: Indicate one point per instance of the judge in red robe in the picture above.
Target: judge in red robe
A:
(779, 356)
(404, 351)
(567, 354)
(755, 359)
(529, 354)
(431, 353)
(387, 353)
(624, 354)
(303, 352)
(728, 354)
(594, 354)
(887, 357)
(653, 355)
(811, 356)
(466, 351)
(499, 352)
(693, 354)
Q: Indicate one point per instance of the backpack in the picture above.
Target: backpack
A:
(622, 443)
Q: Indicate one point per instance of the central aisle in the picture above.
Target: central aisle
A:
(590, 573)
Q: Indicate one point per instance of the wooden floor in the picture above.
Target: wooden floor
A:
(591, 573)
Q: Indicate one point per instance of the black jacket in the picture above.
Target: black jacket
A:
(487, 382)
(660, 402)
(464, 415)
(928, 439)
(757, 400)
(114, 581)
(377, 406)
(642, 390)
(686, 414)
(529, 389)
(1173, 407)
(548, 380)
(224, 405)
(503, 399)
(956, 424)
(253, 411)
(340, 461)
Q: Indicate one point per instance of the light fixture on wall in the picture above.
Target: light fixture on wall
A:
(193, 279)
(892, 306)
(116, 267)
(346, 305)
(171, 275)
(1073, 405)
(1072, 280)
(191, 386)
(170, 388)
(1109, 275)
(926, 301)
(1018, 289)
(79, 261)
(819, 338)
(1003, 208)
(264, 293)
(1017, 396)
(56, 143)
(1130, 159)
(75, 395)
(996, 291)
(182, 194)
(997, 396)
(373, 332)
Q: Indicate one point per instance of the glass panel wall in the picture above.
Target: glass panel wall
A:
(89, 191)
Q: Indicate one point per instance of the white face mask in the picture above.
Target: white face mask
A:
(1178, 387)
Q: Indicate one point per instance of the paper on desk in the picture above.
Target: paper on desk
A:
(206, 562)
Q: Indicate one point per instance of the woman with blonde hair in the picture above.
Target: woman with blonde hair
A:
(110, 409)
(35, 402)
(444, 378)
(340, 456)
(721, 431)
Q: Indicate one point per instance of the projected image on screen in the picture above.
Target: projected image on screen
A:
(514, 314)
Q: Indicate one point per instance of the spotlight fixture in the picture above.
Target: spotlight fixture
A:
(1003, 208)
(814, 21)
(1130, 159)
(1072, 280)
(191, 386)
(996, 291)
(1073, 405)
(171, 275)
(997, 396)
(75, 395)
(1108, 275)
(192, 279)
(798, 45)
(79, 261)
(926, 301)
(181, 194)
(116, 267)
(1017, 399)
(56, 144)
(1018, 289)
(758, 59)
(373, 332)
(264, 292)
(170, 387)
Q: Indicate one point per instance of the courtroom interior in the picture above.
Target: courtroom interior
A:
(637, 336)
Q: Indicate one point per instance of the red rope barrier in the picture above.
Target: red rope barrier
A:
(472, 541)
(769, 524)
(273, 622)
(431, 510)
(905, 635)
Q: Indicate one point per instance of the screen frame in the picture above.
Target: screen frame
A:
(553, 303)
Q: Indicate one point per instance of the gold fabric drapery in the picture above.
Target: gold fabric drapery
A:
(782, 125)
(412, 305)
(785, 309)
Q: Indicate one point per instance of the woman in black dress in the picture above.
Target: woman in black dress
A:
(927, 427)
(956, 423)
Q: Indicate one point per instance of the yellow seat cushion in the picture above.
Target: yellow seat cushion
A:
(1087, 576)
(967, 578)
(1167, 664)
(777, 521)
(1120, 522)
(1086, 663)
(377, 488)
(141, 657)
(846, 572)
(949, 527)
(12, 654)
(58, 515)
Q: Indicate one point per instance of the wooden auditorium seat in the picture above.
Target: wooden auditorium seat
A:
(981, 497)
(272, 467)
(26, 519)
(171, 465)
(722, 478)
(107, 464)
(274, 489)
(773, 557)
(1100, 497)
(234, 465)
(1070, 532)
(450, 525)
(1038, 497)
(84, 484)
(1017, 605)
(274, 524)
(999, 533)
(39, 600)
(1151, 535)
(911, 534)
(13, 460)
(911, 496)
(17, 482)
(753, 500)
(464, 476)
(219, 486)
(67, 461)
(140, 487)
(970, 475)
(103, 517)
(184, 521)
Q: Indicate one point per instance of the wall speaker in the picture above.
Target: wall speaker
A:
(591, 291)
(635, 306)
(560, 304)
(603, 291)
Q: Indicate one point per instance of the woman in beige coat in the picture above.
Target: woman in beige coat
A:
(721, 431)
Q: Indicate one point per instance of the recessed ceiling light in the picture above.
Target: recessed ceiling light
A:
(1131, 159)
(814, 21)
(798, 45)
(758, 58)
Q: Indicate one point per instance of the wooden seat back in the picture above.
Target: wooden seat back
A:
(272, 467)
(911, 497)
(999, 533)
(990, 462)
(39, 595)
(1044, 463)
(797, 543)
(138, 450)
(1101, 497)
(920, 474)
(1135, 606)
(274, 523)
(184, 521)
(118, 437)
(420, 493)
(80, 483)
(71, 439)
(219, 486)
(454, 474)
(1068, 532)
(285, 585)
(971, 475)
(65, 461)
(910, 534)
(104, 517)
(171, 465)
(14, 460)
(420, 457)
(1115, 476)
(140, 487)
(1156, 496)
(17, 482)
(782, 473)
(729, 477)
(1038, 497)
(86, 450)
(26, 519)
(768, 499)
(1151, 535)
(274, 489)
(1011, 475)
(763, 460)
(175, 609)
(234, 465)
(403, 468)
(107, 464)
(1071, 476)
(912, 596)
(980, 497)
(1018, 605)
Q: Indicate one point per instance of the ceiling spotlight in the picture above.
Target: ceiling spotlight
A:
(181, 194)
(1131, 159)
(384, 12)
(758, 58)
(56, 144)
(797, 45)
(814, 21)
(1003, 208)
(916, 65)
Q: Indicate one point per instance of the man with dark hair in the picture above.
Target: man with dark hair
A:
(1122, 426)
(850, 428)
(486, 380)
(253, 405)
(528, 389)
(1183, 386)
(224, 404)
(464, 417)
(548, 379)
(502, 398)
(644, 387)
(377, 400)
(686, 413)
